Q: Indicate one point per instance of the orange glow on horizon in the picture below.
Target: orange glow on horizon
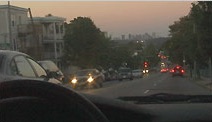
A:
(115, 17)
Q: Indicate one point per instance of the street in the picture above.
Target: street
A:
(151, 84)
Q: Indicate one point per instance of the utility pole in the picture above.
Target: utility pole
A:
(36, 40)
(10, 27)
(210, 69)
(55, 44)
(195, 70)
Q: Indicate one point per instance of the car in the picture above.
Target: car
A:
(110, 75)
(52, 69)
(145, 71)
(178, 71)
(38, 101)
(164, 70)
(137, 73)
(18, 65)
(125, 73)
(87, 78)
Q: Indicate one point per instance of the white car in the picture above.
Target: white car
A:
(137, 73)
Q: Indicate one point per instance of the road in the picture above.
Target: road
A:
(154, 83)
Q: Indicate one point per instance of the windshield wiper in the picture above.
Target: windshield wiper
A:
(162, 98)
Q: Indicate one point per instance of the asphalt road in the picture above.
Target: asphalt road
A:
(151, 84)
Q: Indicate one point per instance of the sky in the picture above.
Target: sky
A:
(115, 17)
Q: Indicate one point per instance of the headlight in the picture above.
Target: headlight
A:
(90, 79)
(147, 71)
(74, 81)
(143, 71)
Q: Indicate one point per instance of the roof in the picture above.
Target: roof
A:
(11, 53)
(49, 19)
(13, 8)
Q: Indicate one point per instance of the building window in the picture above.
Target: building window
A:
(61, 28)
(19, 19)
(14, 44)
(57, 28)
(13, 20)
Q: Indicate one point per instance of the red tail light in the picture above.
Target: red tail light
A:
(172, 70)
(182, 71)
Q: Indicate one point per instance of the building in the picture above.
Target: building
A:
(39, 37)
(51, 34)
(10, 18)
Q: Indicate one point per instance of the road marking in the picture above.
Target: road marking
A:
(146, 91)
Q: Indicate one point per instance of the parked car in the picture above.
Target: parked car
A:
(52, 69)
(177, 71)
(145, 71)
(110, 75)
(17, 65)
(137, 73)
(87, 78)
(125, 73)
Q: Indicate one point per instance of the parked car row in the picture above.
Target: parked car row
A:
(17, 65)
(123, 73)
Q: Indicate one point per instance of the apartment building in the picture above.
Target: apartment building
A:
(10, 18)
(52, 31)
(40, 37)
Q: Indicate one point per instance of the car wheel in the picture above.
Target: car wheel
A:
(21, 99)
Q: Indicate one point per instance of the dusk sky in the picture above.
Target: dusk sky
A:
(116, 18)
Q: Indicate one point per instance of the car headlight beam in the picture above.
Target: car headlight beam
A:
(74, 81)
(90, 79)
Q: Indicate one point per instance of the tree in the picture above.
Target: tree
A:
(85, 44)
(150, 54)
(191, 35)
(201, 14)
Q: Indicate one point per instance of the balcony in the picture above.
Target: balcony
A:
(50, 38)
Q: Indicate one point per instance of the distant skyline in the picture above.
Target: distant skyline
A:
(115, 18)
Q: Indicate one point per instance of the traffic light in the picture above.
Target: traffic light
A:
(145, 64)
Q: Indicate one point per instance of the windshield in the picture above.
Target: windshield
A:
(148, 38)
(48, 65)
(84, 72)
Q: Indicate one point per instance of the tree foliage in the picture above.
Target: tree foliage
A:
(191, 35)
(150, 54)
(85, 44)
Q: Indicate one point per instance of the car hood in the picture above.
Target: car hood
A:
(166, 98)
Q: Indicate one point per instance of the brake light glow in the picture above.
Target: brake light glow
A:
(172, 70)
(182, 71)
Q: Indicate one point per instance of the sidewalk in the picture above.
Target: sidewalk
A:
(205, 82)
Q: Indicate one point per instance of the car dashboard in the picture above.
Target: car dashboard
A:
(121, 111)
